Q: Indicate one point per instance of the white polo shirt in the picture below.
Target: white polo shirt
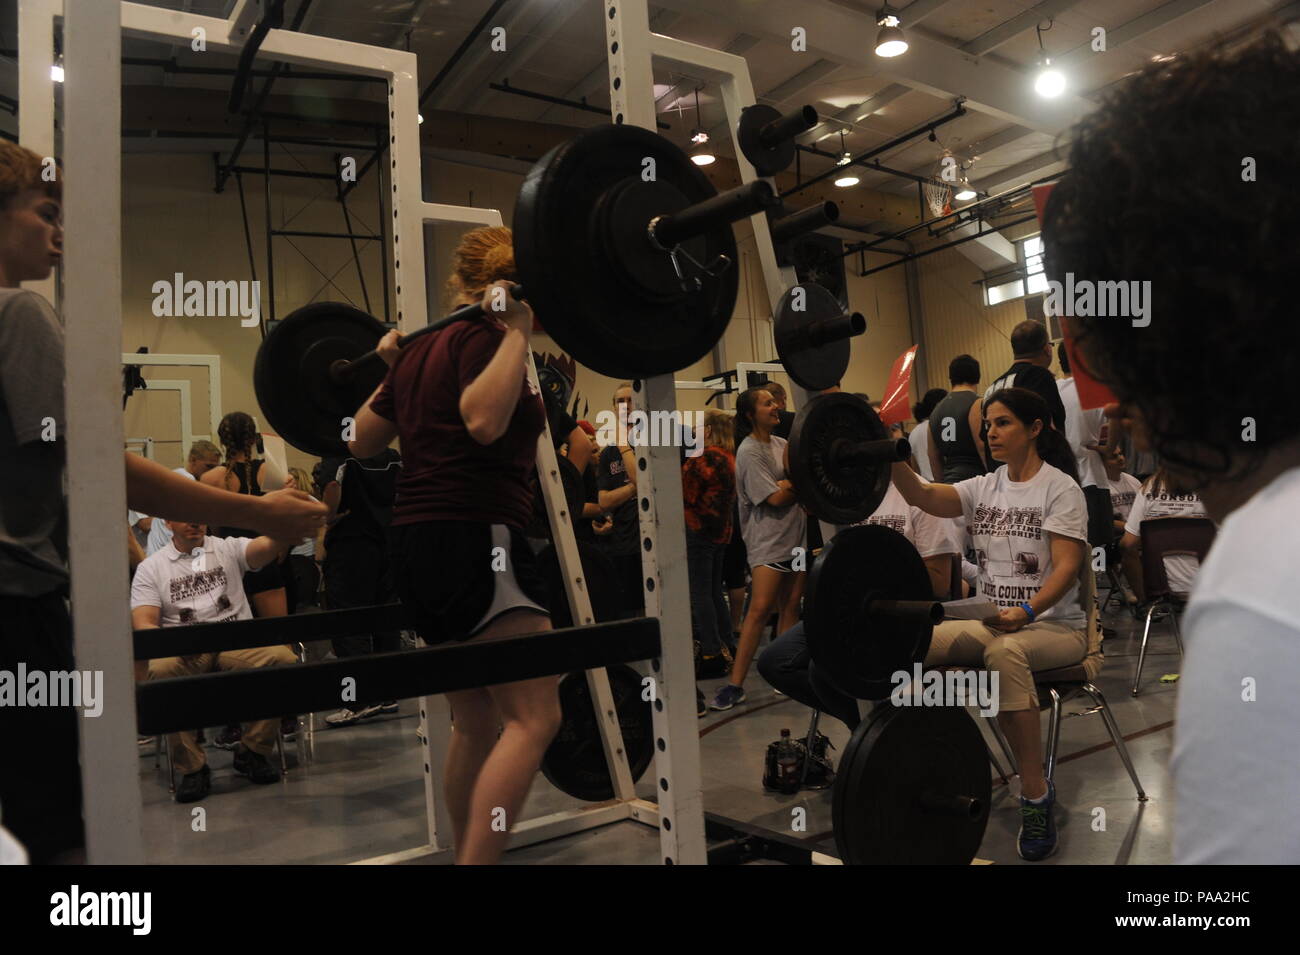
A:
(204, 586)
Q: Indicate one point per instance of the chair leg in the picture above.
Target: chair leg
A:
(171, 768)
(157, 752)
(1117, 738)
(1002, 742)
(1053, 733)
(1178, 635)
(808, 746)
(1142, 653)
(279, 745)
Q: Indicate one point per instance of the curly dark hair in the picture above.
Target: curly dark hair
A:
(922, 409)
(237, 432)
(1028, 407)
(1157, 190)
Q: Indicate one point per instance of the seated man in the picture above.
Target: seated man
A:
(1124, 488)
(199, 579)
(786, 664)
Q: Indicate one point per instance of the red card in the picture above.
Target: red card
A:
(1092, 393)
(895, 407)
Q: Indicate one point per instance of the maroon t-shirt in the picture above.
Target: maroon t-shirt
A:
(446, 474)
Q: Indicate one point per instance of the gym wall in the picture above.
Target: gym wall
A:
(174, 222)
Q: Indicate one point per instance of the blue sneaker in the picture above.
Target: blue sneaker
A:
(1037, 839)
(728, 695)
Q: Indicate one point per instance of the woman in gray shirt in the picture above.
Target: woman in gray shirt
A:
(774, 529)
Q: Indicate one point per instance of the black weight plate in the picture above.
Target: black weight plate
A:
(857, 653)
(766, 160)
(291, 374)
(575, 761)
(603, 585)
(589, 291)
(814, 368)
(833, 490)
(893, 801)
(554, 383)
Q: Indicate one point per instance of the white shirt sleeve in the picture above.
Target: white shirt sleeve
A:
(931, 535)
(1135, 516)
(1067, 510)
(1234, 768)
(146, 585)
(237, 547)
(970, 491)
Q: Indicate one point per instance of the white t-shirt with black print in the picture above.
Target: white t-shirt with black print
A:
(1180, 569)
(204, 586)
(1123, 491)
(1008, 522)
(930, 535)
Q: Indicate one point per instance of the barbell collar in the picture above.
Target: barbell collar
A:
(341, 372)
(827, 330)
(669, 231)
(805, 220)
(788, 126)
(919, 611)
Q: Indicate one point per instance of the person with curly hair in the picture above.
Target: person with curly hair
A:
(1184, 177)
(469, 419)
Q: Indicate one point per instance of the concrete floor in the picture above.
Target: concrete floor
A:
(363, 796)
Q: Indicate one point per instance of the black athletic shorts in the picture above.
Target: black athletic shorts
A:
(735, 563)
(446, 572)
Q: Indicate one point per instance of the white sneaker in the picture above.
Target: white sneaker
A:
(346, 717)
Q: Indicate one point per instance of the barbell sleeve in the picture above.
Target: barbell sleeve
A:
(805, 220)
(919, 611)
(966, 807)
(723, 209)
(788, 126)
(848, 453)
(342, 372)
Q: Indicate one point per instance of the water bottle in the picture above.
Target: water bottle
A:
(787, 764)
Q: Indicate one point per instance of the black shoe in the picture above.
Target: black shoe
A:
(255, 766)
(713, 667)
(194, 786)
(701, 708)
(229, 737)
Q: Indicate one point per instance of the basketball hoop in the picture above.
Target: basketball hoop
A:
(938, 191)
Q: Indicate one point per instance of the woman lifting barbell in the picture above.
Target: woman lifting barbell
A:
(1029, 523)
(469, 420)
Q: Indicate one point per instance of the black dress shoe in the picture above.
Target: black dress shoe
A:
(255, 766)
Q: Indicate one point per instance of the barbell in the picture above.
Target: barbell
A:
(626, 254)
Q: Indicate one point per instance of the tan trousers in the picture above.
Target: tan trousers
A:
(187, 755)
(1013, 656)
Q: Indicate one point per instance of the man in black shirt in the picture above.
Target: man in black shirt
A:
(1032, 370)
(360, 496)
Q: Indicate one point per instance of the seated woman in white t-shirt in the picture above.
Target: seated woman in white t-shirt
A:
(1157, 499)
(1029, 523)
(786, 663)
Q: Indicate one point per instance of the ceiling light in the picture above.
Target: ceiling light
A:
(699, 136)
(1049, 81)
(845, 181)
(56, 69)
(419, 118)
(702, 157)
(890, 40)
(965, 193)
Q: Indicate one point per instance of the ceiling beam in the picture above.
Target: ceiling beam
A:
(1035, 167)
(1126, 33)
(843, 36)
(518, 54)
(471, 72)
(852, 115)
(990, 40)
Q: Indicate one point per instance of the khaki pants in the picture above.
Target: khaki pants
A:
(1015, 656)
(187, 755)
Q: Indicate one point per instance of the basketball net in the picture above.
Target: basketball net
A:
(938, 194)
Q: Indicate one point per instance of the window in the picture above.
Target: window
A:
(1032, 280)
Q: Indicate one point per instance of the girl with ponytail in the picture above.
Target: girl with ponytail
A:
(1029, 523)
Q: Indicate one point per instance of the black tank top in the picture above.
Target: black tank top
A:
(961, 459)
(252, 487)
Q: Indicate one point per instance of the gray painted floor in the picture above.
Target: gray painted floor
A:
(363, 795)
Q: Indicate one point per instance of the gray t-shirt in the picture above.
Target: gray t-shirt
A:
(33, 517)
(771, 534)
